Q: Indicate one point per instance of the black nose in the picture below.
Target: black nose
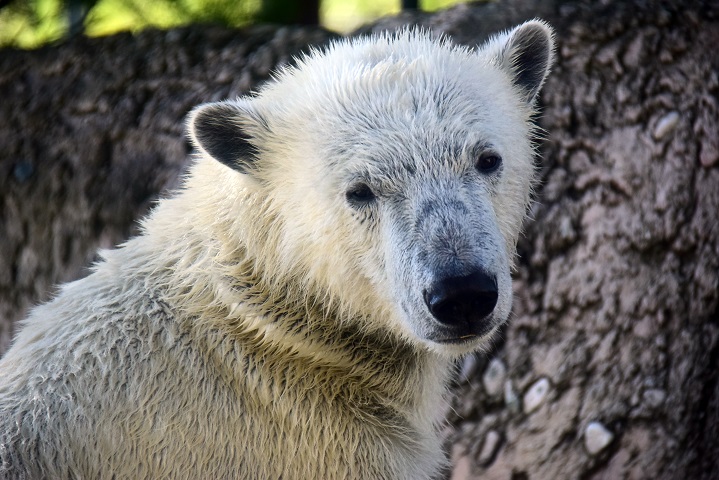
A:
(456, 300)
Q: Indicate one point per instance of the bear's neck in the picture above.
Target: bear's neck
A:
(219, 292)
(296, 327)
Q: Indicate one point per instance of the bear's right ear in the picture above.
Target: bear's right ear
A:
(222, 130)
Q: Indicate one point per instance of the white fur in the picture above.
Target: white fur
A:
(257, 328)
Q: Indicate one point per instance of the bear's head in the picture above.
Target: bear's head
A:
(391, 175)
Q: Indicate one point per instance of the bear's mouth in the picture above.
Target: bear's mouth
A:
(458, 340)
(464, 333)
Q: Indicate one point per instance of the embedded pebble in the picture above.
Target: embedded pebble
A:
(469, 367)
(654, 397)
(489, 448)
(597, 437)
(494, 377)
(566, 230)
(666, 125)
(511, 401)
(462, 465)
(535, 395)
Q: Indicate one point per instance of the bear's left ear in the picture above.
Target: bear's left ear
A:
(227, 132)
(527, 53)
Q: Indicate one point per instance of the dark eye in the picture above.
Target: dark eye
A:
(488, 162)
(360, 195)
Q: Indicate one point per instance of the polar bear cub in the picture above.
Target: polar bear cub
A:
(294, 311)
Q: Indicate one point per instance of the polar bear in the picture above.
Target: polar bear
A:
(294, 311)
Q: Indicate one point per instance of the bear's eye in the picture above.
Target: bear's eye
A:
(488, 162)
(360, 195)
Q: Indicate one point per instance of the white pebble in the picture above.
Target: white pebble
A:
(597, 437)
(535, 395)
(494, 377)
(654, 398)
(462, 465)
(489, 448)
(666, 125)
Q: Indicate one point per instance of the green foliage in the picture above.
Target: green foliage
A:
(111, 16)
(32, 23)
(346, 15)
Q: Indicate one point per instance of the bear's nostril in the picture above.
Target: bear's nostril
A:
(465, 299)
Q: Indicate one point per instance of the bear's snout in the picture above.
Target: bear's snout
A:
(463, 302)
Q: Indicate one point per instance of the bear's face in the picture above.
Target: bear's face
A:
(399, 170)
